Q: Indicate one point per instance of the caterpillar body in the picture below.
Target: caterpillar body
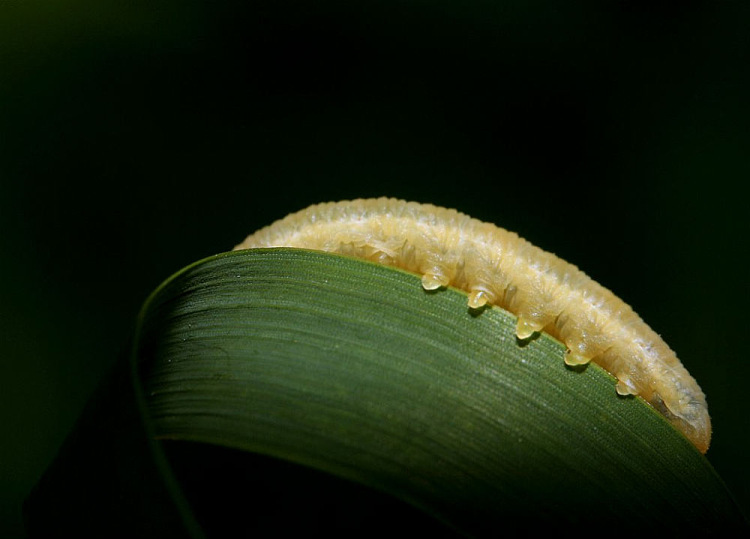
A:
(497, 267)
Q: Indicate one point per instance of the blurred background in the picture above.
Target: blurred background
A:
(138, 137)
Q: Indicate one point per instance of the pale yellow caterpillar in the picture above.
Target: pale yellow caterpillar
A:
(497, 267)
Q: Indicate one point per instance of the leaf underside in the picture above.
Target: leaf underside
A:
(352, 369)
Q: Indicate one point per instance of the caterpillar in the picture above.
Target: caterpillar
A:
(497, 267)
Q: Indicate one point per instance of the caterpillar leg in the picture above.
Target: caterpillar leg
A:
(478, 298)
(624, 387)
(572, 358)
(526, 328)
(433, 281)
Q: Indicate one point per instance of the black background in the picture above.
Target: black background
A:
(137, 137)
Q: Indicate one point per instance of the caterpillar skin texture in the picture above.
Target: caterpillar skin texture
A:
(497, 267)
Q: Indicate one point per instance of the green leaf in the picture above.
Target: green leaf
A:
(351, 369)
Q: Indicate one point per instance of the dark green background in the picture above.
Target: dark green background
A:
(137, 137)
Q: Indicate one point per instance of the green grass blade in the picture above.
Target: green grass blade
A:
(352, 369)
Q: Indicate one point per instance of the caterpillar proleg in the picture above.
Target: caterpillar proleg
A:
(497, 267)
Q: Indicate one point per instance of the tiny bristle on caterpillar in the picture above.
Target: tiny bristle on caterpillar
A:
(497, 267)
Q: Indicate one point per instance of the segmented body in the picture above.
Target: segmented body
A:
(495, 266)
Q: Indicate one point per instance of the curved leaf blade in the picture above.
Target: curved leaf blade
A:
(351, 368)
